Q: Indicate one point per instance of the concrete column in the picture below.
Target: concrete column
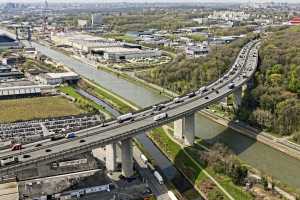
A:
(127, 158)
(178, 129)
(185, 128)
(237, 98)
(224, 101)
(189, 130)
(111, 157)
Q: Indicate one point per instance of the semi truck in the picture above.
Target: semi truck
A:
(144, 158)
(125, 117)
(160, 116)
(158, 177)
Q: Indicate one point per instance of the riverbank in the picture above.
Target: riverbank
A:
(290, 149)
(253, 133)
(201, 177)
(257, 154)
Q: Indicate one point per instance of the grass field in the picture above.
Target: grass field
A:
(84, 103)
(189, 167)
(33, 108)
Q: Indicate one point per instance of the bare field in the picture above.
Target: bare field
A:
(36, 108)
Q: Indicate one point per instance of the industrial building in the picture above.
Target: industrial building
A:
(20, 91)
(83, 42)
(7, 72)
(103, 48)
(121, 53)
(197, 51)
(20, 88)
(58, 78)
(7, 42)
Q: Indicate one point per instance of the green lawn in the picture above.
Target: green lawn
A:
(83, 102)
(179, 158)
(102, 93)
(189, 168)
(226, 182)
(35, 108)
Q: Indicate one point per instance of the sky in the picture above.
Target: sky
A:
(99, 1)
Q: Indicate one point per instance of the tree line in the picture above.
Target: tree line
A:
(184, 74)
(273, 104)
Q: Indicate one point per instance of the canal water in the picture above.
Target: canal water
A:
(256, 154)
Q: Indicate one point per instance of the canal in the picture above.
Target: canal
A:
(262, 157)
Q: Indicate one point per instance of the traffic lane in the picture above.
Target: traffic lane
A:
(157, 189)
(48, 144)
(90, 130)
(178, 110)
(165, 165)
(88, 140)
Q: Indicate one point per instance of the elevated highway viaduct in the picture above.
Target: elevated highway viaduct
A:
(180, 110)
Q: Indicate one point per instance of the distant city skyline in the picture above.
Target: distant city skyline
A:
(147, 1)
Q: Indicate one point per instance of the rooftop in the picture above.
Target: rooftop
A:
(15, 83)
(61, 75)
(118, 50)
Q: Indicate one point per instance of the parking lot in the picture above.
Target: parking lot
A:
(36, 129)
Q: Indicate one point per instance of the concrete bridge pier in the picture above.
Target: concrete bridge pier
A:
(127, 158)
(185, 129)
(178, 129)
(224, 101)
(237, 97)
(111, 157)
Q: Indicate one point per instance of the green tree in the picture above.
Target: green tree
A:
(215, 195)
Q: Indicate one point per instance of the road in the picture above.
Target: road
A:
(143, 121)
(160, 191)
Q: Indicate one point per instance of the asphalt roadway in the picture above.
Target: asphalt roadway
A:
(143, 121)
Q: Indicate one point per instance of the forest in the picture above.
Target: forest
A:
(139, 21)
(184, 74)
(274, 104)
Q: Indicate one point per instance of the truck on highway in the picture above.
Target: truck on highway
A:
(158, 177)
(144, 158)
(122, 118)
(16, 147)
(160, 116)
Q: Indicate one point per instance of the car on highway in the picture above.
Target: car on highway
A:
(244, 75)
(231, 86)
(177, 100)
(70, 135)
(191, 95)
(204, 89)
(158, 107)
